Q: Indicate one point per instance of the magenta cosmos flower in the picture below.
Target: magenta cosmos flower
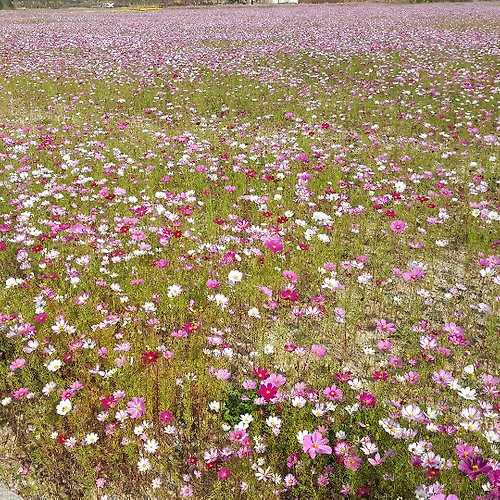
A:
(315, 444)
(474, 467)
(274, 245)
(224, 473)
(267, 391)
(166, 416)
(367, 399)
(398, 226)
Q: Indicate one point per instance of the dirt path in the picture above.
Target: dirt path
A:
(5, 494)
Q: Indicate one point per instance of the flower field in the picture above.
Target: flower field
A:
(251, 253)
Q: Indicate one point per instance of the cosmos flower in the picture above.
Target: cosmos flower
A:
(474, 467)
(367, 399)
(136, 407)
(398, 226)
(315, 444)
(267, 391)
(150, 357)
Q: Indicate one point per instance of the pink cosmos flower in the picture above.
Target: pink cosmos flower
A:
(494, 478)
(17, 364)
(342, 448)
(384, 326)
(333, 393)
(238, 436)
(323, 480)
(318, 351)
(376, 460)
(186, 491)
(222, 374)
(474, 467)
(20, 393)
(267, 391)
(352, 462)
(249, 385)
(339, 314)
(136, 407)
(452, 328)
(464, 451)
(100, 482)
(265, 290)
(384, 345)
(290, 275)
(412, 377)
(413, 274)
(212, 284)
(40, 318)
(315, 444)
(275, 379)
(443, 378)
(161, 263)
(398, 226)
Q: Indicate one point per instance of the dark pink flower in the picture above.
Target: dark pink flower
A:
(474, 467)
(224, 473)
(367, 399)
(275, 245)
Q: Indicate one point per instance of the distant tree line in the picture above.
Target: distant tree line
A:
(6, 4)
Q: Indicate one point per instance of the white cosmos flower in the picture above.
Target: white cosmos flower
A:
(467, 393)
(221, 300)
(246, 418)
(254, 313)
(54, 365)
(299, 402)
(355, 384)
(411, 412)
(273, 422)
(492, 436)
(149, 307)
(268, 349)
(469, 369)
(301, 435)
(151, 446)
(263, 475)
(91, 438)
(321, 218)
(174, 291)
(364, 278)
(214, 406)
(143, 465)
(399, 186)
(64, 407)
(234, 277)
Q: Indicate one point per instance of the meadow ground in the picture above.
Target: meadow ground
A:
(251, 253)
